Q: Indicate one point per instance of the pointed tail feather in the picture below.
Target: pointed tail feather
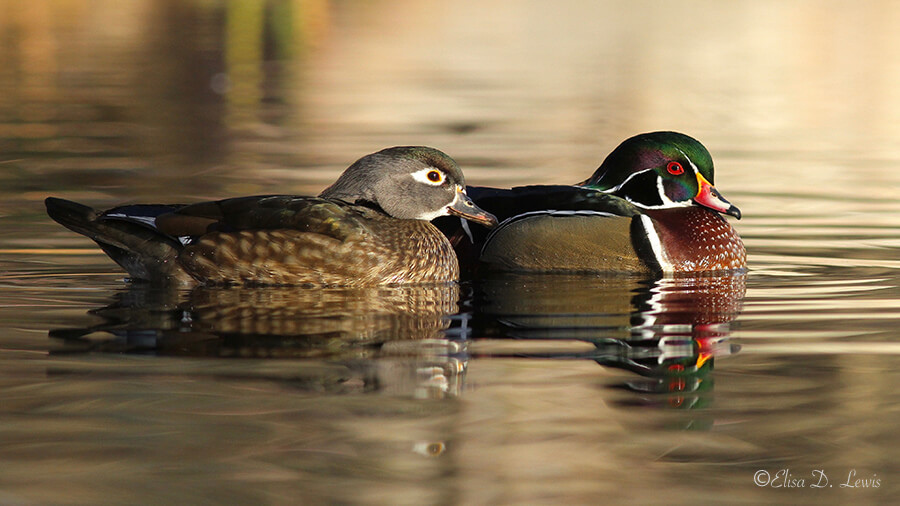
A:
(144, 252)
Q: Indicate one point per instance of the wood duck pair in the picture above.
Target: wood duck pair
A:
(651, 207)
(371, 227)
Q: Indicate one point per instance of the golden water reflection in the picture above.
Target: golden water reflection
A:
(668, 331)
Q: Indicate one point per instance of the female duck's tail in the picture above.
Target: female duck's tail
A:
(130, 238)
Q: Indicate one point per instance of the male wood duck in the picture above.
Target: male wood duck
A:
(650, 207)
(371, 227)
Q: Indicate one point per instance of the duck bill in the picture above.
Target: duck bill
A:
(709, 196)
(463, 207)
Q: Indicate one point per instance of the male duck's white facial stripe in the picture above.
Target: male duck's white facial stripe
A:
(669, 205)
(686, 157)
(666, 201)
(656, 244)
(627, 179)
(421, 176)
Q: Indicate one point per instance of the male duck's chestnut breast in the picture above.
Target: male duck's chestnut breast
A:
(695, 239)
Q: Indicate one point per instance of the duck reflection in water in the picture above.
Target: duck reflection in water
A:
(387, 339)
(414, 340)
(667, 330)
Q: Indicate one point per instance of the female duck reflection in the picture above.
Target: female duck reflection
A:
(390, 339)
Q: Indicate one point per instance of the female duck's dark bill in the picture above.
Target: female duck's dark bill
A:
(463, 207)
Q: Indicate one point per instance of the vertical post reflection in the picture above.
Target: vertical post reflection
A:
(244, 31)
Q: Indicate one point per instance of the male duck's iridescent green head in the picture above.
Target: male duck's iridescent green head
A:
(659, 170)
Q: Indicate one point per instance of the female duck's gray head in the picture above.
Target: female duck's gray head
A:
(660, 170)
(410, 183)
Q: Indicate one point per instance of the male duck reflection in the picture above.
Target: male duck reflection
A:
(650, 207)
(371, 227)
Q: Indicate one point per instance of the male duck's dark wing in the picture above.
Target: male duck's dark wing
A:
(506, 203)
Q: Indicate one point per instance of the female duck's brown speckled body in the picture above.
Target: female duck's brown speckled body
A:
(369, 228)
(355, 246)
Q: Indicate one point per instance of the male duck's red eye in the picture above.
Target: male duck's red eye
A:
(675, 168)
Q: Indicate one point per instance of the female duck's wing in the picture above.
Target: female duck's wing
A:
(282, 240)
(272, 212)
(149, 240)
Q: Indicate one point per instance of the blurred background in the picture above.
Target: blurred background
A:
(213, 98)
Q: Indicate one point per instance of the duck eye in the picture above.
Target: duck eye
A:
(675, 168)
(430, 176)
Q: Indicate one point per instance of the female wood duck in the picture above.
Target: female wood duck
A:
(650, 207)
(371, 227)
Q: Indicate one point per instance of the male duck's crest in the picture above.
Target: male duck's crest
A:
(661, 170)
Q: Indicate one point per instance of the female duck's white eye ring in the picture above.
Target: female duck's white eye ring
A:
(429, 176)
